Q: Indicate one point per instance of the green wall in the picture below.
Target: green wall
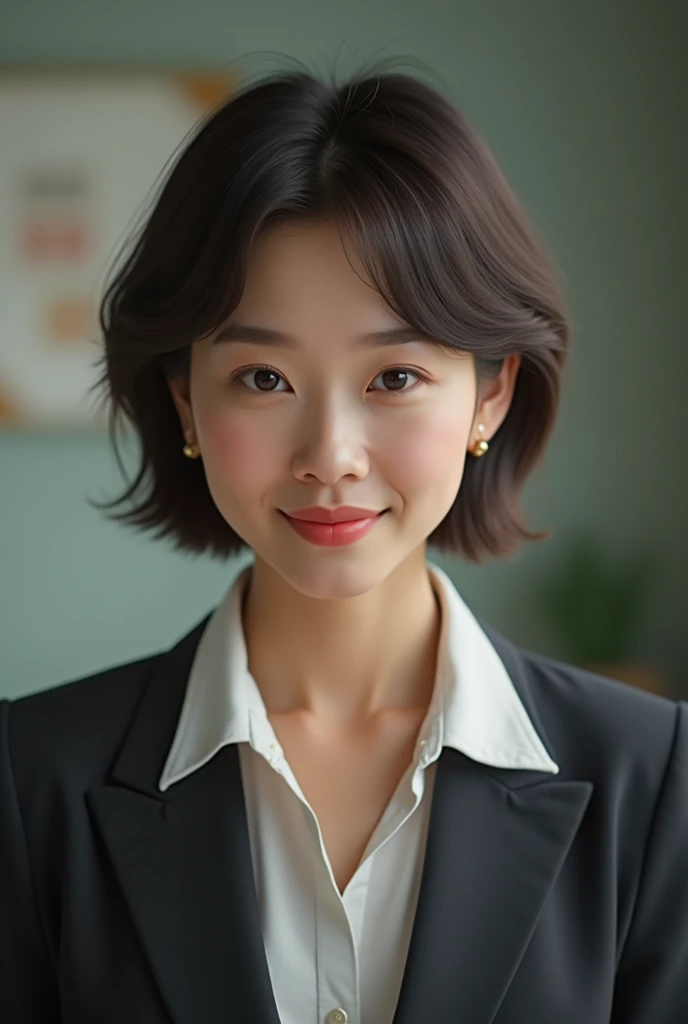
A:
(581, 104)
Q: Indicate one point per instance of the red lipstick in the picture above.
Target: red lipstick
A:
(332, 527)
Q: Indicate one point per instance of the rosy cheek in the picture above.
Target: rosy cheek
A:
(235, 450)
(430, 452)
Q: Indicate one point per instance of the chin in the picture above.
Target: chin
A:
(326, 579)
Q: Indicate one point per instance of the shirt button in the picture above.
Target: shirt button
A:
(337, 1016)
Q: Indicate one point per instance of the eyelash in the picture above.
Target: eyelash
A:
(236, 379)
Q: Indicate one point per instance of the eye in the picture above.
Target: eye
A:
(263, 373)
(400, 371)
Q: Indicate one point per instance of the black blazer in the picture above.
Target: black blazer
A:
(544, 899)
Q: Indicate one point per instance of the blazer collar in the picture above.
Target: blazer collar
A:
(497, 839)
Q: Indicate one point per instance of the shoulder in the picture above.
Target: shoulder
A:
(110, 690)
(75, 727)
(598, 727)
(71, 733)
(582, 711)
(596, 701)
(594, 727)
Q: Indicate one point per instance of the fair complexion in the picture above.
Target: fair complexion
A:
(341, 632)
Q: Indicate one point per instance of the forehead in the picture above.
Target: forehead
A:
(310, 264)
(306, 290)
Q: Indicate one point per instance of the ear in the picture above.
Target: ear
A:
(496, 395)
(180, 391)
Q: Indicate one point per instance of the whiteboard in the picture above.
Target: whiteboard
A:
(82, 154)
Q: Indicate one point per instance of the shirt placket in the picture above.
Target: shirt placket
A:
(337, 968)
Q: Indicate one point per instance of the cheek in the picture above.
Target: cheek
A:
(236, 452)
(430, 454)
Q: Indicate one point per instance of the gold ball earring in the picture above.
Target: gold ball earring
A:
(481, 445)
(191, 450)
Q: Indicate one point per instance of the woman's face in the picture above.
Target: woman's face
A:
(334, 420)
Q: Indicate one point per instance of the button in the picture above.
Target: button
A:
(337, 1016)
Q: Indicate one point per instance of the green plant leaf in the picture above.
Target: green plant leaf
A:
(592, 605)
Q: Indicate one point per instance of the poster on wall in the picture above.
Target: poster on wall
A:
(81, 154)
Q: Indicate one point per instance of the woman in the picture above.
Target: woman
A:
(340, 797)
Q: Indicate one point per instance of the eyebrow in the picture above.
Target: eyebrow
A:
(237, 332)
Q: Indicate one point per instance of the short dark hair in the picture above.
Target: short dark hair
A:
(437, 227)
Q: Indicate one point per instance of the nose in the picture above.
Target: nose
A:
(332, 445)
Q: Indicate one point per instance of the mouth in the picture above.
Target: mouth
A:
(333, 534)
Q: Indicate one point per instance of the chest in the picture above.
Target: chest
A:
(348, 778)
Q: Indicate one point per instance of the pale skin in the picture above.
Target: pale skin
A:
(342, 641)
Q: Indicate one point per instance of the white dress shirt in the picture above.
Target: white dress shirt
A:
(339, 958)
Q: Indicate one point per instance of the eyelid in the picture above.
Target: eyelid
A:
(235, 378)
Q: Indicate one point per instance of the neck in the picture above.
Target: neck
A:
(347, 659)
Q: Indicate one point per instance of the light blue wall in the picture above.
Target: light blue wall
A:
(581, 104)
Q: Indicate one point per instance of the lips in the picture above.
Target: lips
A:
(330, 535)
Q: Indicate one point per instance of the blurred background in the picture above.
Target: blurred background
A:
(583, 105)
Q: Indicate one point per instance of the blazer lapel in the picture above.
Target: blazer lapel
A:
(493, 852)
(496, 843)
(183, 861)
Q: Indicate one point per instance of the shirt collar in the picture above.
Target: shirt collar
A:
(475, 707)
